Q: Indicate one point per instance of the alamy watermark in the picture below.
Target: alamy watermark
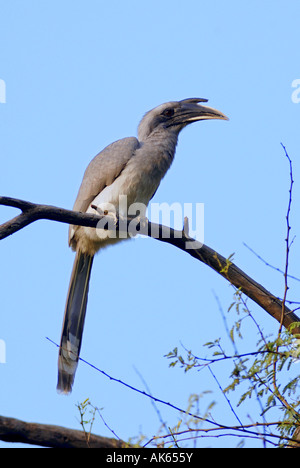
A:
(174, 214)
(2, 352)
(296, 94)
(2, 92)
(160, 214)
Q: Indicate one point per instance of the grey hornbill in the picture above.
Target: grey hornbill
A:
(131, 167)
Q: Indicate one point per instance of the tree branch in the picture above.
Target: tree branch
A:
(271, 304)
(46, 435)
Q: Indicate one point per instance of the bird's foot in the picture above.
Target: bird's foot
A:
(105, 212)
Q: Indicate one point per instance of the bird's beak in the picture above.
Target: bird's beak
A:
(192, 112)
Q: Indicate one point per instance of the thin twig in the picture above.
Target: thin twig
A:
(225, 396)
(286, 287)
(268, 264)
(245, 429)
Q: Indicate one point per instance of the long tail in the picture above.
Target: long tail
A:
(73, 322)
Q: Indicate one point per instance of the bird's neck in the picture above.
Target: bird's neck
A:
(164, 143)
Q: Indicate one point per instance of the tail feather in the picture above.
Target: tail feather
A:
(73, 322)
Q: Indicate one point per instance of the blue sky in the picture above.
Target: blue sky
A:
(80, 75)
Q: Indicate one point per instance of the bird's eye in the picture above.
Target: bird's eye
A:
(168, 112)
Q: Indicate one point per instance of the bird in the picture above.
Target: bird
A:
(130, 167)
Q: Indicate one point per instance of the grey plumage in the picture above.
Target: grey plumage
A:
(131, 167)
(74, 320)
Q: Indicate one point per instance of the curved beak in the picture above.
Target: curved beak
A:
(191, 111)
(204, 113)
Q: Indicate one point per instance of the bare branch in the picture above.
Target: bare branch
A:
(46, 435)
(270, 303)
(32, 212)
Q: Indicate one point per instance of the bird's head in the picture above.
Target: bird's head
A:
(175, 116)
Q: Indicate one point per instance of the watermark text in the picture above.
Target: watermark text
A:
(2, 352)
(164, 214)
(2, 91)
(296, 94)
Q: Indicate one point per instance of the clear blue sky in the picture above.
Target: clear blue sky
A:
(80, 75)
